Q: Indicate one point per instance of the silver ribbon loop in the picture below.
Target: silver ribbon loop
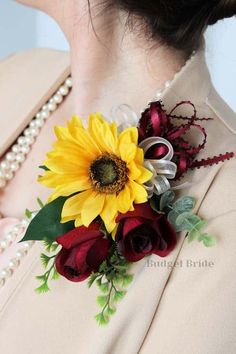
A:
(162, 169)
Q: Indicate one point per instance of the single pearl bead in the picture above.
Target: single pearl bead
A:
(9, 175)
(10, 156)
(159, 95)
(20, 158)
(6, 273)
(21, 140)
(63, 90)
(52, 107)
(5, 165)
(27, 132)
(15, 148)
(13, 264)
(38, 115)
(39, 122)
(45, 114)
(34, 131)
(25, 149)
(20, 254)
(10, 237)
(58, 97)
(45, 107)
(69, 82)
(3, 244)
(14, 166)
(26, 246)
(32, 123)
(29, 140)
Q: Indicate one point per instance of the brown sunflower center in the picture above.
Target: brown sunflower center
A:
(108, 174)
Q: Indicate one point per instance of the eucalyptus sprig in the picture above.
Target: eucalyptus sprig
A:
(112, 280)
(180, 214)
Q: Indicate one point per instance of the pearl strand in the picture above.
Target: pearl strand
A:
(16, 156)
(14, 262)
(11, 163)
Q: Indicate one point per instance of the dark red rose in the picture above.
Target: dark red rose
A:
(142, 232)
(83, 250)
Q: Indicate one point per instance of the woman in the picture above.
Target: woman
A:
(121, 52)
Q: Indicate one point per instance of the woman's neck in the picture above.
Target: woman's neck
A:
(112, 65)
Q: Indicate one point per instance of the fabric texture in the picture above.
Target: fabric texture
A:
(184, 303)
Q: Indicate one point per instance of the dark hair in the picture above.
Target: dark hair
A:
(177, 23)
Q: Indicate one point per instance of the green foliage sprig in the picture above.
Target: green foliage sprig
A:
(180, 214)
(112, 280)
(48, 263)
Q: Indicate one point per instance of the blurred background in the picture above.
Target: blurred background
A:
(22, 28)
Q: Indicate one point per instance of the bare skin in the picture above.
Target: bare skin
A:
(111, 65)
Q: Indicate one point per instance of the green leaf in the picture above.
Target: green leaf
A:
(104, 287)
(101, 319)
(184, 204)
(92, 279)
(28, 214)
(42, 288)
(45, 168)
(119, 294)
(208, 240)
(45, 260)
(127, 279)
(172, 217)
(196, 231)
(55, 274)
(47, 223)
(166, 199)
(187, 220)
(102, 300)
(110, 311)
(40, 203)
(41, 278)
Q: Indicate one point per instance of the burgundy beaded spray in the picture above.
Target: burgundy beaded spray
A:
(155, 121)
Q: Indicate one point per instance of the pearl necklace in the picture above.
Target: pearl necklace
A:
(11, 163)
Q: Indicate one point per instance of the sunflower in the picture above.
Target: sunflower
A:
(100, 171)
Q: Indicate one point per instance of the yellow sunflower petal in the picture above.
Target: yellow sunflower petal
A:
(128, 136)
(92, 207)
(139, 192)
(124, 200)
(73, 205)
(109, 212)
(134, 171)
(102, 133)
(145, 175)
(139, 158)
(61, 165)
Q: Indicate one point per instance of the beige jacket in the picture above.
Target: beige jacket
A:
(185, 303)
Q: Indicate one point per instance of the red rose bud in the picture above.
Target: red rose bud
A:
(83, 250)
(143, 232)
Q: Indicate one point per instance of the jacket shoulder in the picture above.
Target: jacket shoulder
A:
(28, 79)
(222, 110)
(34, 64)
